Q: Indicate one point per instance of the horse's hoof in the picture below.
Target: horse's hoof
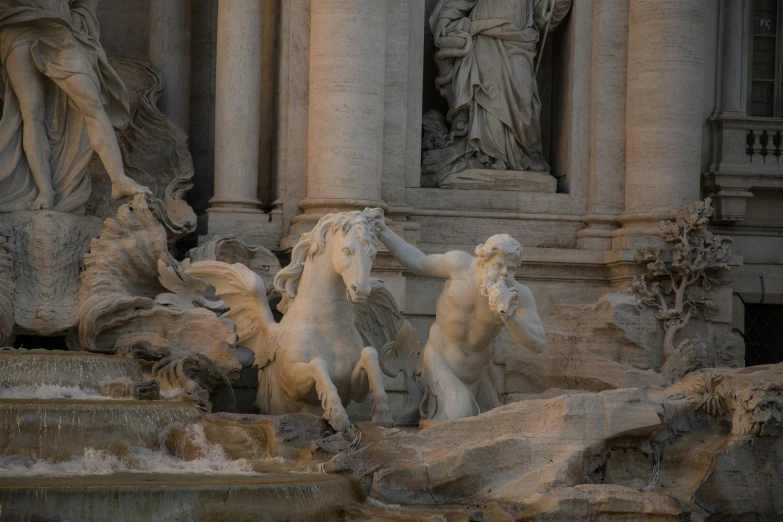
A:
(383, 418)
(339, 422)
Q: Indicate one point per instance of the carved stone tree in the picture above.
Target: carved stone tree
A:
(693, 255)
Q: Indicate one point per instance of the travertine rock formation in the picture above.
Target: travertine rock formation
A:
(47, 248)
(504, 455)
(610, 344)
(707, 448)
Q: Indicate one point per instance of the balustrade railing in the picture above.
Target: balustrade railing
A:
(747, 156)
(764, 146)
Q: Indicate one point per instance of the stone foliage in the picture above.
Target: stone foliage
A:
(678, 278)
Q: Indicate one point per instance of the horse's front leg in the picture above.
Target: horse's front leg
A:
(316, 373)
(367, 373)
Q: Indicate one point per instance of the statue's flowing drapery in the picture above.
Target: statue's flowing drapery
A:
(491, 76)
(63, 39)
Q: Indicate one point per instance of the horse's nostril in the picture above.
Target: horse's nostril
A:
(355, 288)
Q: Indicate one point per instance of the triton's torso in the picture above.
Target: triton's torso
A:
(464, 327)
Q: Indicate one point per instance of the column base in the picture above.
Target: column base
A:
(327, 206)
(598, 234)
(254, 228)
(315, 209)
(235, 204)
(639, 230)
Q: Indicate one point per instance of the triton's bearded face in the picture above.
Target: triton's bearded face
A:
(499, 268)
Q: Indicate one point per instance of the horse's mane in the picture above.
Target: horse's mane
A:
(314, 242)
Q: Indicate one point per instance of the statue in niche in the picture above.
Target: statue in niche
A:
(61, 100)
(479, 298)
(487, 73)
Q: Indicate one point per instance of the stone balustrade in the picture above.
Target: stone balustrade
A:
(746, 156)
(764, 146)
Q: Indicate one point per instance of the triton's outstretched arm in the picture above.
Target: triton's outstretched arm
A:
(442, 266)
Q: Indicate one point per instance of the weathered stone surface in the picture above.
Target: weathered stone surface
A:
(21, 368)
(7, 296)
(503, 455)
(174, 497)
(47, 249)
(487, 179)
(721, 451)
(593, 502)
(609, 344)
(253, 437)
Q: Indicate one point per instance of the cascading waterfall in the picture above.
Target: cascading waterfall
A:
(67, 452)
(60, 429)
(19, 368)
(122, 497)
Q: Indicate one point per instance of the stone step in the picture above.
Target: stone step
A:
(34, 368)
(131, 497)
(59, 429)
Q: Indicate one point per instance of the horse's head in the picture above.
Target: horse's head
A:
(347, 242)
(351, 248)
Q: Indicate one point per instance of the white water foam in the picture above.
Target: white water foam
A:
(99, 462)
(50, 391)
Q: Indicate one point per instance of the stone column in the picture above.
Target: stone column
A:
(609, 75)
(663, 114)
(170, 52)
(290, 161)
(346, 107)
(237, 120)
(732, 71)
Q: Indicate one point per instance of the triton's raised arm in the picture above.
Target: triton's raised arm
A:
(442, 266)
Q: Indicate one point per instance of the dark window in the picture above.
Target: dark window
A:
(763, 334)
(765, 59)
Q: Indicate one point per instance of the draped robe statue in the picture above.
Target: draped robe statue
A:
(61, 100)
(485, 59)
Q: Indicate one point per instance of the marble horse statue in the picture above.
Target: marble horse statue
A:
(314, 360)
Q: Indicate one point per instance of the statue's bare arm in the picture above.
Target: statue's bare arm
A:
(444, 266)
(524, 323)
